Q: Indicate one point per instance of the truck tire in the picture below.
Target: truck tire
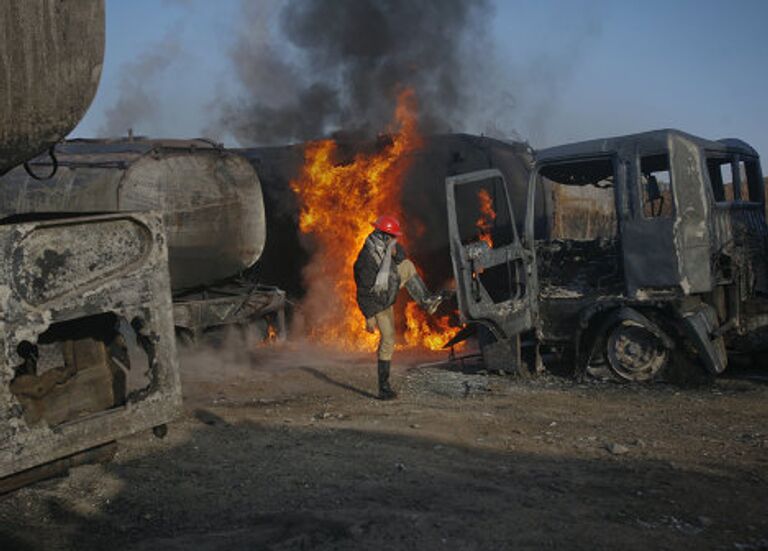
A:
(635, 353)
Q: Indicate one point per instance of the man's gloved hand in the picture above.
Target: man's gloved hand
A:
(370, 325)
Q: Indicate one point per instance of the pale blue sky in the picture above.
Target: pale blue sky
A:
(571, 70)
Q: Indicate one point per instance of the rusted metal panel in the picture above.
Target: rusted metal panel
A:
(46, 267)
(210, 199)
(87, 348)
(50, 64)
(692, 230)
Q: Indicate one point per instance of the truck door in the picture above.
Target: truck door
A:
(647, 227)
(495, 274)
(664, 237)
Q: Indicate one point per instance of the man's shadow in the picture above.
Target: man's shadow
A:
(325, 378)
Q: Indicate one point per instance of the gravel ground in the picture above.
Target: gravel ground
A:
(285, 448)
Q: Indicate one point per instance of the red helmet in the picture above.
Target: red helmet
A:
(388, 224)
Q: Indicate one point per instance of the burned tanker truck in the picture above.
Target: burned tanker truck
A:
(422, 199)
(212, 207)
(87, 351)
(652, 264)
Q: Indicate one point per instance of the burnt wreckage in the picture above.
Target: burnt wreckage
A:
(651, 263)
(213, 211)
(87, 349)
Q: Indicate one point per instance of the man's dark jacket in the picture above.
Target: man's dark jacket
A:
(366, 269)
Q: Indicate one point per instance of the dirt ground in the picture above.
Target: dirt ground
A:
(285, 448)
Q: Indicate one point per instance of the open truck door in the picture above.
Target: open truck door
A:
(496, 283)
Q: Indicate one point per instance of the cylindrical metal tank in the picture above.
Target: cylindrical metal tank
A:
(210, 198)
(50, 64)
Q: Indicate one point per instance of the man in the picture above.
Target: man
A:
(381, 269)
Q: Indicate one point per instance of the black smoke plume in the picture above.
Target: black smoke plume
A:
(138, 102)
(310, 67)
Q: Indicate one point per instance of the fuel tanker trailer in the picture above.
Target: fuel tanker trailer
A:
(212, 207)
(87, 350)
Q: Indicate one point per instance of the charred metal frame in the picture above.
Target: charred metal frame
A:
(505, 319)
(230, 305)
(69, 269)
(698, 274)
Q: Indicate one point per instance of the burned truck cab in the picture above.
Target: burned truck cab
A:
(648, 252)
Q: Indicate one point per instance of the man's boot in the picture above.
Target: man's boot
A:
(385, 391)
(427, 300)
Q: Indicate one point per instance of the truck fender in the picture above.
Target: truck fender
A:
(699, 325)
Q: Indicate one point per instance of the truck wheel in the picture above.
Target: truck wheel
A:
(634, 353)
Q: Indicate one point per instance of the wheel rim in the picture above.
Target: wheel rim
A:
(635, 353)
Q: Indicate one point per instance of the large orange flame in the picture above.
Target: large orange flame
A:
(338, 202)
